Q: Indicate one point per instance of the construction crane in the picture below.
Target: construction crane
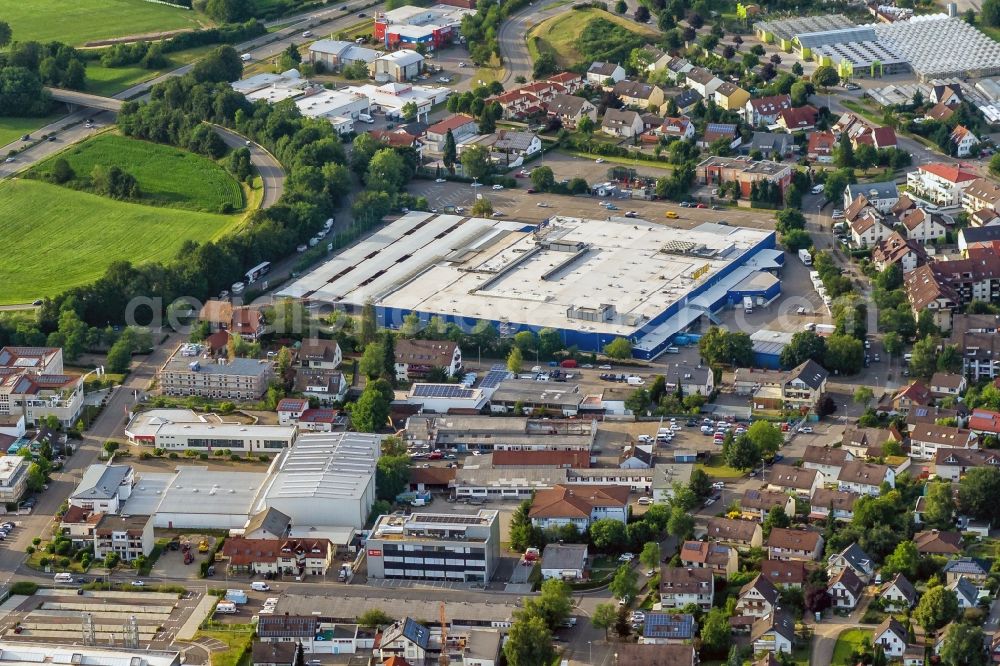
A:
(443, 619)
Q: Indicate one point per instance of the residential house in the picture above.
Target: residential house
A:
(765, 110)
(570, 81)
(804, 385)
(820, 147)
(415, 359)
(826, 500)
(680, 586)
(294, 557)
(965, 141)
(687, 99)
(638, 94)
(984, 422)
(692, 379)
(288, 630)
(966, 593)
(939, 184)
(564, 561)
(680, 128)
(267, 524)
(569, 109)
(853, 558)
(898, 250)
(793, 480)
(636, 456)
(978, 237)
(397, 66)
(320, 354)
(952, 464)
(702, 81)
(104, 488)
(915, 394)
(326, 386)
(926, 291)
(984, 218)
(940, 112)
(845, 589)
(128, 537)
(668, 629)
(218, 314)
(788, 544)
(926, 439)
(578, 505)
(774, 145)
(273, 654)
(975, 336)
(655, 58)
(943, 384)
(859, 440)
(865, 478)
(758, 598)
(882, 195)
(638, 654)
(599, 72)
(877, 137)
(826, 460)
(798, 119)
(921, 226)
(622, 123)
(981, 194)
(899, 593)
(291, 409)
(731, 97)
(892, 636)
(756, 504)
(773, 633)
(462, 127)
(740, 534)
(78, 525)
(727, 132)
(407, 639)
(938, 542)
(975, 569)
(867, 230)
(717, 558)
(785, 573)
(520, 144)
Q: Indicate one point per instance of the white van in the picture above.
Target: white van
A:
(259, 586)
(63, 577)
(747, 304)
(365, 118)
(246, 57)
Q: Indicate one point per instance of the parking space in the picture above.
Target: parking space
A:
(178, 561)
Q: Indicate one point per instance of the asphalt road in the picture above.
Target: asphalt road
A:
(271, 172)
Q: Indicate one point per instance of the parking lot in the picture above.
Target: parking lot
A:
(171, 563)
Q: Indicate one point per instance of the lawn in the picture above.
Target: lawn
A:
(72, 237)
(82, 21)
(716, 467)
(109, 81)
(167, 176)
(561, 34)
(12, 129)
(848, 641)
(361, 29)
(238, 642)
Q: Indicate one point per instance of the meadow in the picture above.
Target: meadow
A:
(57, 238)
(82, 21)
(567, 37)
(12, 129)
(167, 176)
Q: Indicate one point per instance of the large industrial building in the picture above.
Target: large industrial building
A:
(182, 429)
(934, 46)
(408, 26)
(591, 280)
(435, 546)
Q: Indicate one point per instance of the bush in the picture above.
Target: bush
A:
(145, 455)
(36, 541)
(30, 550)
(43, 562)
(872, 616)
(64, 563)
(234, 457)
(203, 456)
(25, 587)
(173, 455)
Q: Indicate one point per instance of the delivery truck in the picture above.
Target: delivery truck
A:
(805, 257)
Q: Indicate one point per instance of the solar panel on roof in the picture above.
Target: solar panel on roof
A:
(442, 391)
(493, 378)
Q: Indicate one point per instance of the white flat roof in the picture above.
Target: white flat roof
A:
(195, 490)
(8, 467)
(395, 95)
(274, 94)
(487, 268)
(330, 103)
(187, 423)
(32, 654)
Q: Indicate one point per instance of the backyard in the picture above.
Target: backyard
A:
(848, 642)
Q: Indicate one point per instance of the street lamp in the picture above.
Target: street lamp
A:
(590, 647)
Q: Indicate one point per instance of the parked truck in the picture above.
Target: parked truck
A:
(805, 257)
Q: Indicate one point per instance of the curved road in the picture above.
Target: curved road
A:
(271, 172)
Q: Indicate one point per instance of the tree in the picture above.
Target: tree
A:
(36, 477)
(977, 493)
(939, 506)
(624, 584)
(409, 112)
(803, 346)
(372, 360)
(866, 157)
(374, 618)
(715, 632)
(844, 354)
(650, 555)
(843, 158)
(584, 126)
(228, 11)
(608, 535)
(923, 359)
(765, 437)
(963, 646)
(369, 327)
(371, 411)
(515, 361)
(619, 348)
(387, 171)
(120, 356)
(642, 14)
(892, 343)
(392, 474)
(776, 517)
(476, 162)
(825, 76)
(553, 604)
(450, 152)
(290, 57)
(990, 13)
(621, 7)
(482, 208)
(61, 172)
(622, 626)
(529, 642)
(796, 239)
(904, 559)
(926, 325)
(604, 617)
(742, 454)
(700, 484)
(863, 396)
(542, 178)
(5, 34)
(681, 523)
(949, 359)
(937, 607)
(222, 65)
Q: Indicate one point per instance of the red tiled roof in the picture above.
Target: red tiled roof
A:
(984, 420)
(576, 501)
(949, 172)
(577, 459)
(453, 123)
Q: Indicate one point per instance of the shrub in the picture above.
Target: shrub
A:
(234, 457)
(145, 455)
(173, 455)
(203, 456)
(36, 541)
(64, 563)
(43, 562)
(30, 550)
(25, 587)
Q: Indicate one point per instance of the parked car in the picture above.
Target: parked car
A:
(626, 557)
(806, 430)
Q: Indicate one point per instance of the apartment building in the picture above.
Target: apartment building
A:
(926, 439)
(976, 338)
(680, 586)
(13, 478)
(128, 537)
(939, 184)
(435, 546)
(579, 505)
(33, 385)
(187, 372)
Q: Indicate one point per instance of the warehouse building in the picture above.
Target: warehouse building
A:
(182, 429)
(489, 433)
(566, 274)
(435, 546)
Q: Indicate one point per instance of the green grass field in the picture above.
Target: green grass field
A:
(167, 176)
(81, 21)
(12, 129)
(59, 238)
(561, 33)
(110, 81)
(848, 641)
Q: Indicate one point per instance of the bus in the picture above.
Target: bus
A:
(257, 271)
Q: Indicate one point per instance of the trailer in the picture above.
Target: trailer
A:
(805, 257)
